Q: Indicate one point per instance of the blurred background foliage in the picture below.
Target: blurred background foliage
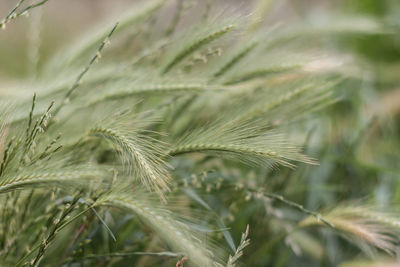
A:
(356, 140)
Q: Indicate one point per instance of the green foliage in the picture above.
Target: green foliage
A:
(149, 135)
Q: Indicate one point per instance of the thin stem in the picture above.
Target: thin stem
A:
(14, 14)
(300, 207)
(58, 223)
(11, 15)
(31, 116)
(6, 156)
(67, 97)
(184, 149)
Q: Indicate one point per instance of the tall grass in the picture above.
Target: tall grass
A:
(155, 140)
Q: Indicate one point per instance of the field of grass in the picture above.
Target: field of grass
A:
(199, 133)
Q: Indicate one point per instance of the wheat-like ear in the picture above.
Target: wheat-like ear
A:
(141, 154)
(174, 232)
(196, 44)
(157, 90)
(363, 226)
(247, 142)
(64, 177)
(286, 102)
(263, 72)
(235, 59)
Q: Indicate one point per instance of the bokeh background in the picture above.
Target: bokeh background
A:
(357, 140)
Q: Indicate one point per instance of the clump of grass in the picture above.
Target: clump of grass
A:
(212, 117)
(176, 233)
